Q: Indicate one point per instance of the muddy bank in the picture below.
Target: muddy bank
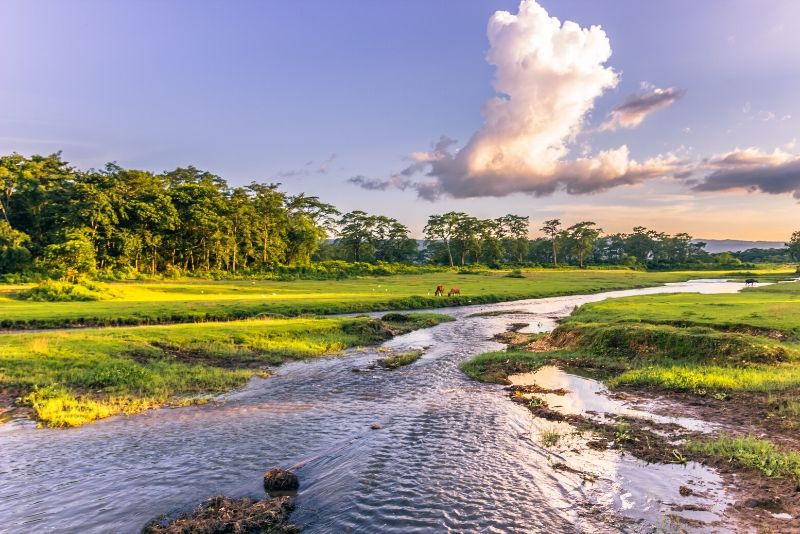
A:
(652, 427)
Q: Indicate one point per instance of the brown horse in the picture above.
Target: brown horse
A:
(439, 290)
(454, 291)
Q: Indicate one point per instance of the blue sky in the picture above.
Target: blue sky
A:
(311, 94)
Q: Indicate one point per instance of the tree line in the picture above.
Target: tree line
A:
(59, 219)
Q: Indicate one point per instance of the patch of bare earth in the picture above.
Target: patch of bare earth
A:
(761, 502)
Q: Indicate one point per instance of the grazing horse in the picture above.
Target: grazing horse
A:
(439, 290)
(750, 282)
(454, 291)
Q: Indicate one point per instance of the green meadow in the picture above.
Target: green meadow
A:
(192, 300)
(161, 343)
(71, 377)
(748, 341)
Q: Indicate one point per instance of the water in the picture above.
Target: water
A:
(452, 455)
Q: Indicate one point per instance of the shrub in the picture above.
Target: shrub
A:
(60, 291)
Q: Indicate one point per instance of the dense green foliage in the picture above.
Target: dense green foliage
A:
(120, 223)
(56, 291)
(69, 221)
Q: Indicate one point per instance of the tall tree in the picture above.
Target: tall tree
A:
(515, 234)
(794, 246)
(551, 229)
(582, 237)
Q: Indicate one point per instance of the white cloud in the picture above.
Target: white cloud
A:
(547, 78)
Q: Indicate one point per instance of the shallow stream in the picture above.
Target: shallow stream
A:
(452, 455)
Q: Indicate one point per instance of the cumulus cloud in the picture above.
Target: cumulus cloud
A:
(636, 108)
(547, 78)
(752, 170)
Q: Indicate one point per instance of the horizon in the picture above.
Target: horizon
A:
(418, 108)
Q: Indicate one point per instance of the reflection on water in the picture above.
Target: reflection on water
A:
(452, 455)
(587, 395)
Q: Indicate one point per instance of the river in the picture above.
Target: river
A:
(451, 455)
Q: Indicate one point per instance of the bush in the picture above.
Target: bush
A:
(59, 291)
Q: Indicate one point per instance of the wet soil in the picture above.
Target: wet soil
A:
(760, 504)
(758, 498)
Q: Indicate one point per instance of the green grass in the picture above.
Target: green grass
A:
(748, 341)
(400, 360)
(495, 367)
(771, 309)
(189, 300)
(748, 451)
(702, 379)
(73, 377)
(550, 438)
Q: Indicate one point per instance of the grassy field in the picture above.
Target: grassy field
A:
(73, 377)
(749, 341)
(196, 300)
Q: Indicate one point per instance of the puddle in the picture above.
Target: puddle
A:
(639, 490)
(587, 396)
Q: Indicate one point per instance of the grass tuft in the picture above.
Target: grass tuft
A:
(748, 451)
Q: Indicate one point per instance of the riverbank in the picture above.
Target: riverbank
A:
(69, 378)
(191, 300)
(732, 361)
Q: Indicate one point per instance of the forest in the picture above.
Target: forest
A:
(60, 221)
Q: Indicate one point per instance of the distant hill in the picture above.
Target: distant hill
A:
(736, 245)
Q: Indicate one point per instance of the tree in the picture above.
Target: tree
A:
(515, 235)
(551, 229)
(14, 255)
(443, 228)
(356, 234)
(582, 237)
(794, 246)
(74, 257)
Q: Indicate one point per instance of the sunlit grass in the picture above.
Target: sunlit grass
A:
(202, 300)
(73, 377)
(400, 360)
(748, 451)
(701, 379)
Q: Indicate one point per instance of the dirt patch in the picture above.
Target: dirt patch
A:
(223, 515)
(759, 414)
(542, 344)
(243, 360)
(512, 338)
(534, 388)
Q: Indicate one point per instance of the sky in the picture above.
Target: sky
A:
(681, 116)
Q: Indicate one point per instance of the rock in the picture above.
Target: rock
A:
(685, 491)
(280, 480)
(375, 426)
